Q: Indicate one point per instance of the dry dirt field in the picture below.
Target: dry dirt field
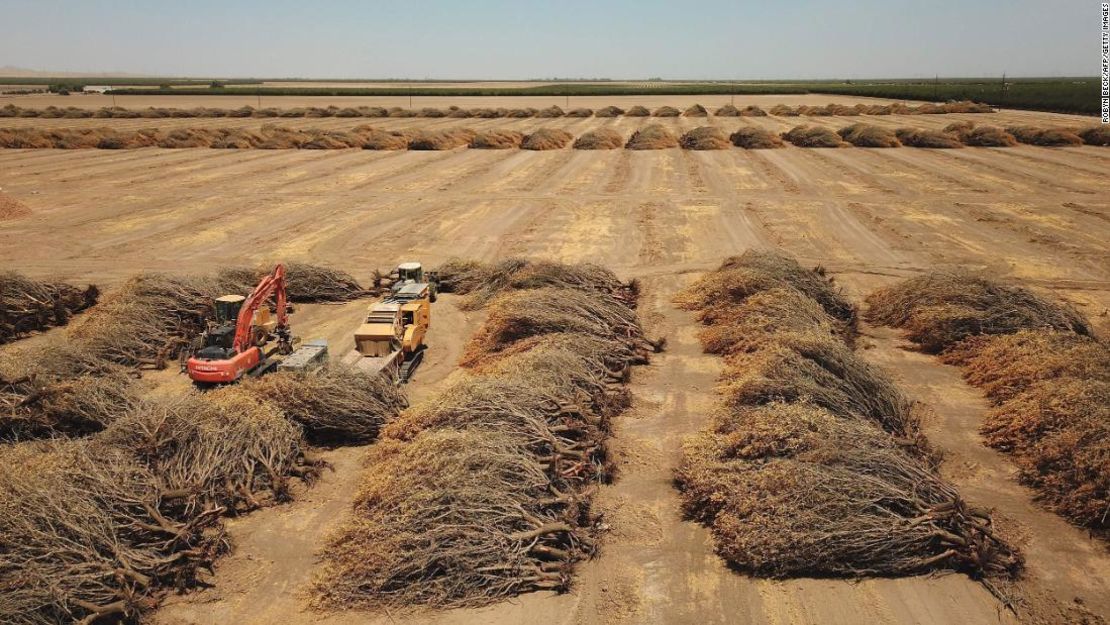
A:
(1040, 215)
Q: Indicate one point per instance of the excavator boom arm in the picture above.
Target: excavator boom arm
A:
(273, 284)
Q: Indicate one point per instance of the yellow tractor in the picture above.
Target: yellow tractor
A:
(390, 340)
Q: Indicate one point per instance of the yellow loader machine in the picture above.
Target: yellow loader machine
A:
(390, 340)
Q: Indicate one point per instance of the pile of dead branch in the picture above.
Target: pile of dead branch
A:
(101, 527)
(752, 111)
(695, 110)
(600, 139)
(580, 112)
(308, 283)
(333, 406)
(609, 111)
(496, 140)
(1095, 135)
(784, 110)
(868, 136)
(939, 309)
(1051, 137)
(704, 138)
(484, 492)
(813, 464)
(547, 139)
(1038, 363)
(727, 110)
(374, 139)
(666, 111)
(448, 139)
(481, 282)
(59, 388)
(923, 138)
(518, 315)
(981, 136)
(813, 137)
(28, 305)
(551, 111)
(652, 137)
(11, 208)
(637, 111)
(752, 138)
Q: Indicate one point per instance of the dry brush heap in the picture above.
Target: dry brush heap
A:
(97, 529)
(28, 305)
(484, 491)
(82, 382)
(276, 137)
(1041, 366)
(813, 464)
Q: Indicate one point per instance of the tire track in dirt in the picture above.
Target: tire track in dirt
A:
(1015, 173)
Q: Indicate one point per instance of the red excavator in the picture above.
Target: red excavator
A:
(231, 347)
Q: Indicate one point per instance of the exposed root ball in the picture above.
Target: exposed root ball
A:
(921, 138)
(334, 406)
(600, 139)
(813, 137)
(652, 137)
(868, 136)
(940, 309)
(695, 110)
(497, 140)
(637, 111)
(547, 139)
(666, 111)
(1051, 137)
(704, 138)
(752, 138)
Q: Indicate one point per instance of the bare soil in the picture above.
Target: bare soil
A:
(1036, 214)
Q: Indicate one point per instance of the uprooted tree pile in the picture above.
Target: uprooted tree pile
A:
(752, 138)
(481, 282)
(939, 309)
(813, 137)
(813, 464)
(28, 305)
(497, 140)
(547, 139)
(981, 136)
(82, 383)
(868, 136)
(652, 137)
(600, 139)
(924, 138)
(484, 491)
(1039, 364)
(102, 527)
(704, 138)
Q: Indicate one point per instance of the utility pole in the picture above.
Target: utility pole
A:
(410, 96)
(1002, 96)
(936, 87)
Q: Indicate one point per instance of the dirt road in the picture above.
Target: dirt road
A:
(1037, 214)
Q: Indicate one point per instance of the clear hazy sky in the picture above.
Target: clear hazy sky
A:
(507, 39)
